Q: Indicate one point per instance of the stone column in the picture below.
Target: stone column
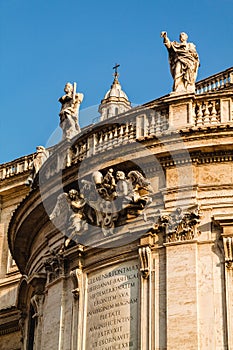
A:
(228, 251)
(146, 294)
(37, 281)
(78, 303)
(182, 295)
(226, 222)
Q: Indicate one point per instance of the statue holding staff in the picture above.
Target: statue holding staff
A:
(184, 62)
(70, 104)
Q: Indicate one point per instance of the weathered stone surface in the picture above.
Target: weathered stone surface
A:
(179, 294)
(112, 307)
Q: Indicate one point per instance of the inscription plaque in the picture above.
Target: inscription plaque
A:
(112, 308)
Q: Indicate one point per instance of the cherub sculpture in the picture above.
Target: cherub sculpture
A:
(72, 203)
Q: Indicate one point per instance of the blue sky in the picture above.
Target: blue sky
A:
(45, 43)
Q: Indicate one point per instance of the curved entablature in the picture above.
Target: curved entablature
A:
(154, 120)
(145, 144)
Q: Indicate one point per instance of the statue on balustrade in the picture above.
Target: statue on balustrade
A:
(38, 160)
(69, 112)
(184, 63)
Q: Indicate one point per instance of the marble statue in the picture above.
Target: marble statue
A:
(70, 104)
(184, 63)
(73, 203)
(40, 157)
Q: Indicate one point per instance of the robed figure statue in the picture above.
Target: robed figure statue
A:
(184, 63)
(70, 103)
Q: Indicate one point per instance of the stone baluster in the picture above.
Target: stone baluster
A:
(146, 125)
(121, 133)
(26, 165)
(206, 113)
(165, 119)
(158, 123)
(110, 137)
(100, 142)
(17, 168)
(115, 135)
(4, 173)
(152, 124)
(222, 82)
(213, 116)
(95, 143)
(199, 115)
(131, 131)
(126, 134)
(105, 139)
(194, 116)
(231, 78)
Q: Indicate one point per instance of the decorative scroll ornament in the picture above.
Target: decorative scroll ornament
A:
(145, 258)
(178, 225)
(228, 250)
(106, 202)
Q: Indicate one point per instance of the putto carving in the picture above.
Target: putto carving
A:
(106, 202)
(70, 103)
(145, 258)
(228, 250)
(184, 62)
(73, 203)
(178, 225)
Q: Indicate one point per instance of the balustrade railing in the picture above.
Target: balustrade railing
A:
(146, 121)
(122, 131)
(215, 82)
(15, 167)
(206, 112)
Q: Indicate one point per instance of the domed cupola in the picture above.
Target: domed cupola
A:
(115, 101)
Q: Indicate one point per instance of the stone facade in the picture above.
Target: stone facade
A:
(125, 240)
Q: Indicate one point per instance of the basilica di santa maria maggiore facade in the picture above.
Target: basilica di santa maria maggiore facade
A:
(121, 235)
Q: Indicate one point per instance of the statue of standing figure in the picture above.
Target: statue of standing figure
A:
(70, 104)
(184, 62)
